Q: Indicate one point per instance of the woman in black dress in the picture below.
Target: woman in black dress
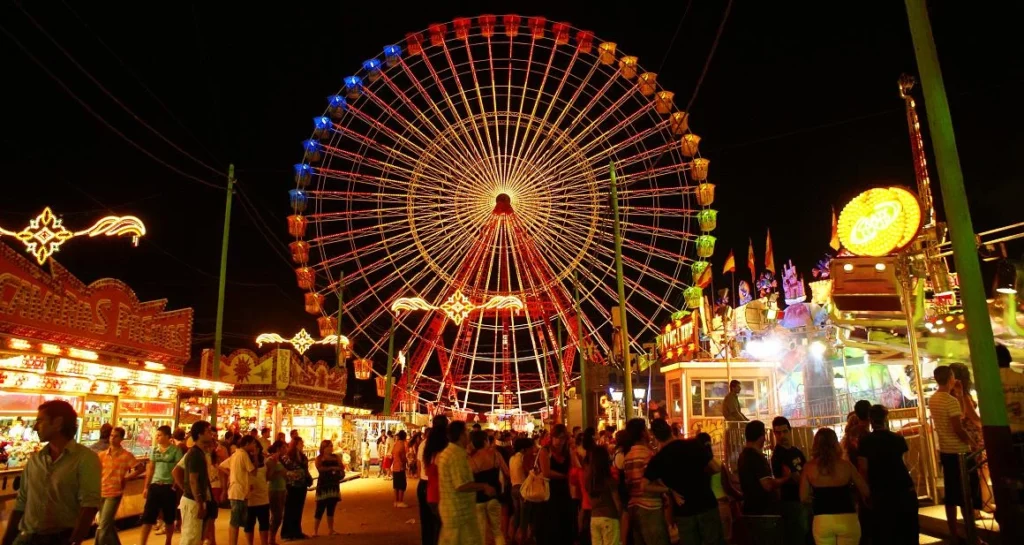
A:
(555, 463)
(298, 481)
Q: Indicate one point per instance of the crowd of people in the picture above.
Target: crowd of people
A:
(649, 486)
(642, 485)
(189, 479)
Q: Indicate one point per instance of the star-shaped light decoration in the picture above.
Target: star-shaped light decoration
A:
(46, 232)
(44, 235)
(458, 307)
(301, 341)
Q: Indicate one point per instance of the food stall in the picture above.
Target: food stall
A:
(112, 357)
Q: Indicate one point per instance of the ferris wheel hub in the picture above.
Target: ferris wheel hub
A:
(503, 204)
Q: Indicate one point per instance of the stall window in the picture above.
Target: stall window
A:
(707, 397)
(696, 398)
(676, 396)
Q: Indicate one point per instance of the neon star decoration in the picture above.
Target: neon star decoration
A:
(45, 233)
(458, 307)
(301, 342)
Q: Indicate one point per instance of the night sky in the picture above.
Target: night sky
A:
(799, 111)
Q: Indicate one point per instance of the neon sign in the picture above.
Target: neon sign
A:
(879, 221)
(45, 233)
(678, 341)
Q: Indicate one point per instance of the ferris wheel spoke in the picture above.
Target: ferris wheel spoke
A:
(396, 152)
(424, 139)
(525, 152)
(481, 141)
(480, 103)
(476, 147)
(470, 152)
(563, 160)
(547, 143)
(554, 149)
(452, 155)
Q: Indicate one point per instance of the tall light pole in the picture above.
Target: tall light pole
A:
(995, 426)
(218, 335)
(585, 405)
(391, 363)
(620, 281)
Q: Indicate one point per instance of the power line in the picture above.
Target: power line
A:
(261, 227)
(100, 118)
(141, 83)
(711, 54)
(111, 95)
(675, 35)
(149, 242)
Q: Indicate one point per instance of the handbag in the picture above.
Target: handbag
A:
(535, 487)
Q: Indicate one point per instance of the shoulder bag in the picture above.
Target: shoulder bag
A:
(535, 488)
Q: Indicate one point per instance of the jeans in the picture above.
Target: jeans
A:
(106, 534)
(488, 516)
(294, 502)
(841, 529)
(429, 524)
(701, 529)
(647, 526)
(604, 531)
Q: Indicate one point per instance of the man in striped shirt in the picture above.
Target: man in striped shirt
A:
(953, 440)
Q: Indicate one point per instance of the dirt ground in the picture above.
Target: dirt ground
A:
(365, 516)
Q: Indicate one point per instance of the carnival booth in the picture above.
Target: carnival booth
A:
(114, 358)
(280, 390)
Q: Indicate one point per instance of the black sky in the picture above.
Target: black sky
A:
(799, 111)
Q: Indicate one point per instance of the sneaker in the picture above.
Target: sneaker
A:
(401, 505)
(160, 531)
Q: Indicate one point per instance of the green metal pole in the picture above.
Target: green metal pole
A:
(391, 363)
(562, 381)
(341, 312)
(218, 335)
(588, 419)
(991, 401)
(627, 395)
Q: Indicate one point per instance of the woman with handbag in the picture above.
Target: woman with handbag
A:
(519, 469)
(298, 482)
(331, 471)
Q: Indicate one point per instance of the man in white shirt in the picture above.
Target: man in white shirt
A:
(946, 416)
(240, 468)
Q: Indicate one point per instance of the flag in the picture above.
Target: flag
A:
(703, 278)
(769, 254)
(750, 262)
(730, 264)
(834, 241)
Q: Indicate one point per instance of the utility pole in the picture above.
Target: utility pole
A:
(218, 335)
(627, 395)
(995, 427)
(585, 406)
(391, 364)
(341, 311)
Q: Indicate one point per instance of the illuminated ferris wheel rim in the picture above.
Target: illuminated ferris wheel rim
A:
(409, 169)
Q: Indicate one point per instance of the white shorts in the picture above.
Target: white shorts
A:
(191, 525)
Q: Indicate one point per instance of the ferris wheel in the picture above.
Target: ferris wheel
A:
(462, 176)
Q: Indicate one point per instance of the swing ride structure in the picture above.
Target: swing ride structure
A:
(456, 190)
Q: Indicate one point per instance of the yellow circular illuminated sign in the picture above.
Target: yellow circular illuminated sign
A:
(879, 221)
